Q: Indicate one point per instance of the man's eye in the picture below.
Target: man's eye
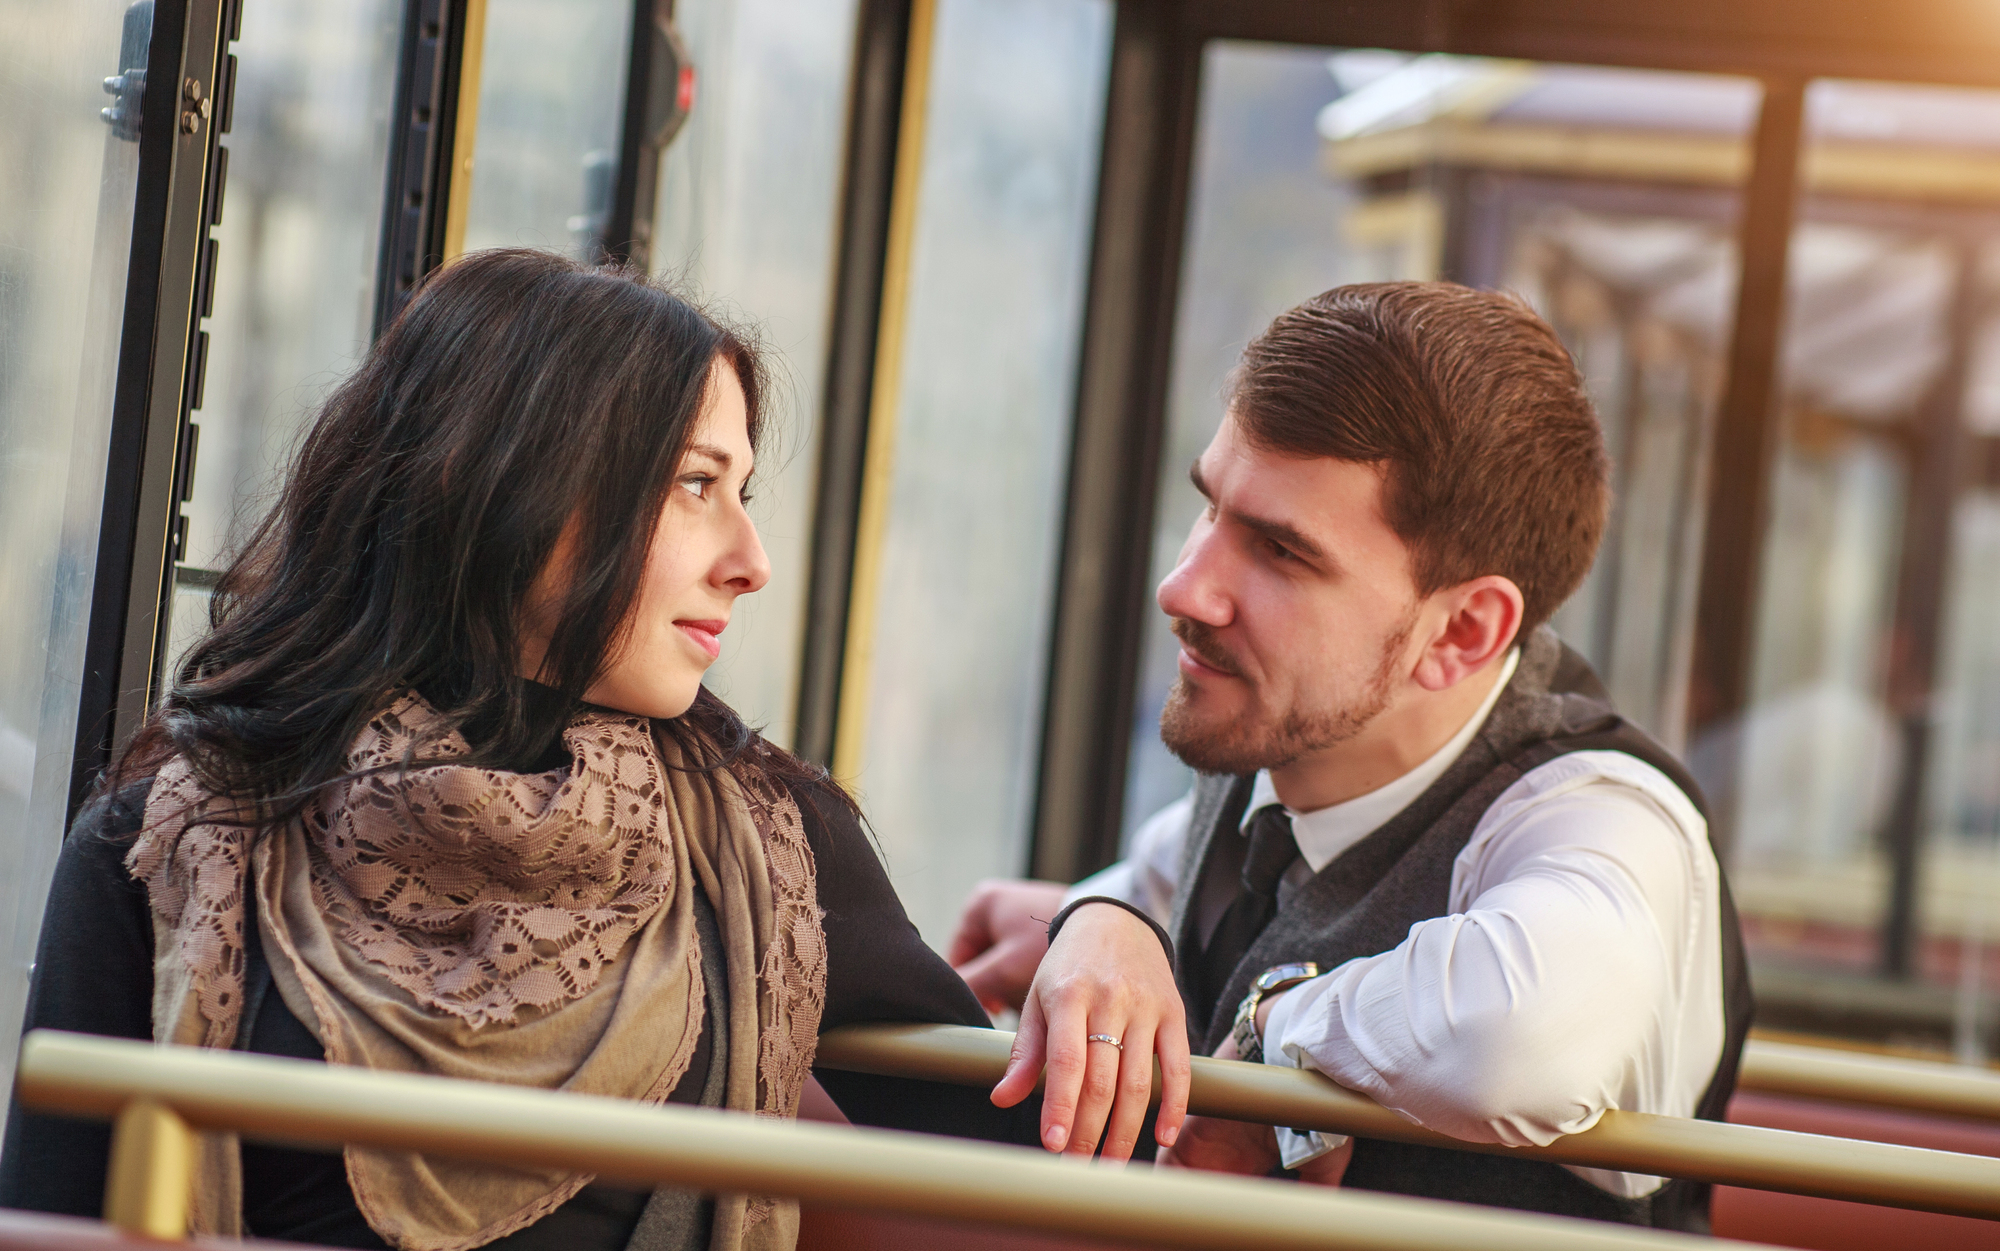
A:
(1280, 551)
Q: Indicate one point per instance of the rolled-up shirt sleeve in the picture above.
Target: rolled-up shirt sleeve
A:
(1571, 976)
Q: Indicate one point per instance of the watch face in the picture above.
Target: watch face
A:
(1286, 973)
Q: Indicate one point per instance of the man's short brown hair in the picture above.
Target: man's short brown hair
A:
(1493, 457)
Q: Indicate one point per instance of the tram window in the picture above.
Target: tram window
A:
(66, 207)
(295, 287)
(958, 624)
(551, 102)
(748, 199)
(1606, 197)
(1867, 800)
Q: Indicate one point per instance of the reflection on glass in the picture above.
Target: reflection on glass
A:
(747, 205)
(70, 149)
(982, 441)
(1606, 198)
(295, 280)
(551, 99)
(1863, 811)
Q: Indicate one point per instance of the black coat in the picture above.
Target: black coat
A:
(94, 974)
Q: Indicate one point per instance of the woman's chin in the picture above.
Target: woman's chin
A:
(663, 700)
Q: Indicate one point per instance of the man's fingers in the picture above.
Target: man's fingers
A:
(1135, 1091)
(974, 935)
(1024, 1063)
(1175, 1075)
(988, 976)
(1329, 1169)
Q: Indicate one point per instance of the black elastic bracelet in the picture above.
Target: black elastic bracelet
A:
(1159, 930)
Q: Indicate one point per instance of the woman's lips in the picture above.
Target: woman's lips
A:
(704, 635)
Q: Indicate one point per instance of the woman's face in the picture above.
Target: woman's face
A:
(704, 553)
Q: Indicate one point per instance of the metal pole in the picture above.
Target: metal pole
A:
(301, 1102)
(151, 1179)
(1630, 1142)
(1851, 1077)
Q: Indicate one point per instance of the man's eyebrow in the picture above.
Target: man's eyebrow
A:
(1280, 532)
(714, 453)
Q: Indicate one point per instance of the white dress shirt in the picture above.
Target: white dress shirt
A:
(1579, 969)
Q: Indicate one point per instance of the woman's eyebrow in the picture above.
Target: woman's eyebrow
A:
(714, 453)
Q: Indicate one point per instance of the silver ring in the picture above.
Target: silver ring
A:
(1104, 1038)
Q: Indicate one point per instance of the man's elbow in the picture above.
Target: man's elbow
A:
(1509, 1078)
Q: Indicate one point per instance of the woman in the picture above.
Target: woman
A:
(441, 791)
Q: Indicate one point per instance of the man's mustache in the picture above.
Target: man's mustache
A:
(1206, 646)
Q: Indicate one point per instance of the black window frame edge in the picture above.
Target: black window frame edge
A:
(158, 357)
(650, 118)
(417, 192)
(1138, 239)
(861, 248)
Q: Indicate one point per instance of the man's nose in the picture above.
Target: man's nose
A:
(1196, 589)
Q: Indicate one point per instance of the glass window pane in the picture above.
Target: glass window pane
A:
(748, 201)
(295, 279)
(65, 239)
(1864, 816)
(551, 102)
(1605, 197)
(982, 443)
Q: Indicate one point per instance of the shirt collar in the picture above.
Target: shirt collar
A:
(1324, 834)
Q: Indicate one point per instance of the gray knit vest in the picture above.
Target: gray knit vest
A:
(1366, 900)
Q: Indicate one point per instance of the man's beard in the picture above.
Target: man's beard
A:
(1245, 746)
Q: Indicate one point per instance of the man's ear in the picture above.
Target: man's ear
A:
(1480, 620)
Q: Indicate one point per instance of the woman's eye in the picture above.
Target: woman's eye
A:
(697, 487)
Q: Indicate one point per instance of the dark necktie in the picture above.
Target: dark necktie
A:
(1272, 850)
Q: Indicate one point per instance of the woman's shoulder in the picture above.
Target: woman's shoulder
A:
(115, 813)
(832, 822)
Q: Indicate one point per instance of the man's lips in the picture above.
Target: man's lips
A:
(704, 635)
(1193, 665)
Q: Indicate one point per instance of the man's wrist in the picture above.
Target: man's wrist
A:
(1264, 1012)
(1254, 1011)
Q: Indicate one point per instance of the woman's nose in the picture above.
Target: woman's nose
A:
(746, 568)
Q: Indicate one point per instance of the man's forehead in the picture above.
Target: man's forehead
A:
(1233, 462)
(1336, 502)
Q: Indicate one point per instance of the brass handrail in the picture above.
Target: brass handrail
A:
(1879, 1081)
(183, 1089)
(1629, 1142)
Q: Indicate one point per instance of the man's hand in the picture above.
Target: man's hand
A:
(1106, 974)
(1001, 938)
(1236, 1147)
(1220, 1146)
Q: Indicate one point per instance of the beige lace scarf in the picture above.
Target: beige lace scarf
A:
(535, 928)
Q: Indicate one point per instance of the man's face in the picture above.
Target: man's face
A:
(1294, 603)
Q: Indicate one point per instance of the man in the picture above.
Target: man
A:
(1423, 855)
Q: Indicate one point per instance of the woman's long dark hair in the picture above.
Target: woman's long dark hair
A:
(517, 394)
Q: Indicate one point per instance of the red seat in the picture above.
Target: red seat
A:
(1831, 1225)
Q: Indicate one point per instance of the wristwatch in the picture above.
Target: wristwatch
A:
(1249, 1044)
